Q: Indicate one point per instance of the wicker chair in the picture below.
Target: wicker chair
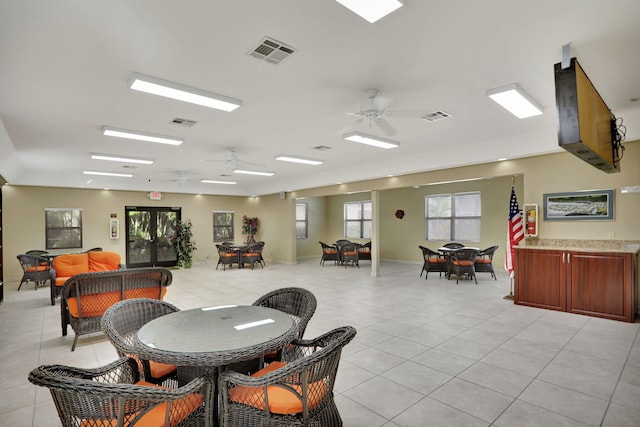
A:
(253, 254)
(227, 256)
(121, 322)
(299, 303)
(433, 261)
(112, 396)
(484, 261)
(364, 251)
(296, 391)
(329, 253)
(35, 269)
(463, 263)
(349, 254)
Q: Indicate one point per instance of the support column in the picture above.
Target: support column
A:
(375, 233)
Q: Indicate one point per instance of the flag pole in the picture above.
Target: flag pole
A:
(513, 208)
(510, 296)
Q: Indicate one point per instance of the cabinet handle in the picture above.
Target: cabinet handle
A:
(563, 257)
(568, 258)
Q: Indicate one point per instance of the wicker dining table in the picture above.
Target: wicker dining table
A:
(203, 341)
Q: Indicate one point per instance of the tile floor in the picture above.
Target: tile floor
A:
(427, 353)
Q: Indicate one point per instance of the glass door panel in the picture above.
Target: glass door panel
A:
(150, 236)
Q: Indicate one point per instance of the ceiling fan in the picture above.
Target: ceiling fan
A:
(233, 160)
(374, 112)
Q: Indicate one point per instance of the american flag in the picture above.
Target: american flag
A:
(515, 233)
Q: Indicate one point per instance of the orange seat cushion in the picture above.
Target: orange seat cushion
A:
(436, 260)
(354, 253)
(71, 264)
(228, 254)
(103, 261)
(180, 409)
(159, 370)
(281, 400)
(483, 261)
(331, 251)
(253, 254)
(463, 263)
(37, 268)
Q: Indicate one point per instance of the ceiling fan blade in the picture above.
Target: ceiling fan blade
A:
(385, 127)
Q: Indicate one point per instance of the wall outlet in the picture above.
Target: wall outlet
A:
(612, 235)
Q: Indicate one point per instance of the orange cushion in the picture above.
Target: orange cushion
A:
(159, 370)
(436, 260)
(180, 409)
(228, 254)
(463, 263)
(483, 261)
(38, 268)
(251, 254)
(103, 261)
(351, 253)
(331, 251)
(364, 250)
(93, 305)
(281, 399)
(71, 264)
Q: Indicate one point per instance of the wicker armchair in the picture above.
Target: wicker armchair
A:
(112, 396)
(297, 391)
(364, 251)
(433, 261)
(227, 256)
(121, 322)
(329, 253)
(253, 254)
(299, 303)
(484, 261)
(35, 269)
(349, 254)
(463, 263)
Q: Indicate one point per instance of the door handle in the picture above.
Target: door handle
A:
(568, 258)
(563, 257)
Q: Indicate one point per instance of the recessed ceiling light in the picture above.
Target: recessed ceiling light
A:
(297, 159)
(122, 175)
(515, 100)
(180, 92)
(211, 181)
(372, 10)
(249, 172)
(113, 158)
(364, 138)
(141, 136)
(502, 159)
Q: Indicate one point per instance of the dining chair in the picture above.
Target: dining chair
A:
(35, 269)
(364, 251)
(252, 254)
(299, 303)
(227, 256)
(349, 254)
(433, 261)
(329, 253)
(114, 396)
(484, 261)
(121, 323)
(463, 263)
(294, 391)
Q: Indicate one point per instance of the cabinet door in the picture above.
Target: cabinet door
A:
(540, 279)
(601, 284)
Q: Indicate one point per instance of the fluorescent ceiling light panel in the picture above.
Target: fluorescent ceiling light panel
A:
(514, 99)
(211, 181)
(141, 136)
(372, 10)
(157, 86)
(248, 172)
(296, 159)
(364, 138)
(122, 175)
(114, 158)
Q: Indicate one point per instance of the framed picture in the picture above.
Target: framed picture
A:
(589, 205)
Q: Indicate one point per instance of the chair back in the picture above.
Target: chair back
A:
(349, 253)
(299, 303)
(109, 396)
(465, 256)
(37, 252)
(488, 253)
(34, 264)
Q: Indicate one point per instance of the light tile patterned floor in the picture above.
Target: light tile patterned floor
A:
(427, 353)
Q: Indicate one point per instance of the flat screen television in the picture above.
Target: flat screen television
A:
(587, 128)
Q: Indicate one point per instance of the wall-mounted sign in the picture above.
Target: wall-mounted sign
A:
(155, 195)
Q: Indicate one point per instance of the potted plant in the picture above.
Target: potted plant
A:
(250, 228)
(185, 245)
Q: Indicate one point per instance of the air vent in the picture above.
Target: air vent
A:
(436, 115)
(321, 148)
(272, 51)
(183, 122)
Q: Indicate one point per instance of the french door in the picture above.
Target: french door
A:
(150, 235)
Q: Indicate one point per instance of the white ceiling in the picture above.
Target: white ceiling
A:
(65, 66)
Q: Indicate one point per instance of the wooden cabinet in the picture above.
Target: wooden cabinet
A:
(601, 284)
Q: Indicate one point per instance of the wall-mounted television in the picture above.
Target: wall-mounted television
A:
(587, 128)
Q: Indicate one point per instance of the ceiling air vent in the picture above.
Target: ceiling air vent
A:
(436, 115)
(272, 51)
(183, 122)
(321, 148)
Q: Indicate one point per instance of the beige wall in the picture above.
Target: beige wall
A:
(23, 213)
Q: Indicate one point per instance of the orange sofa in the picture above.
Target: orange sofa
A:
(68, 265)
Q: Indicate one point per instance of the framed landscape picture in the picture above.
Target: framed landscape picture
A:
(591, 205)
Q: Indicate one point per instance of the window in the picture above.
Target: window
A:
(453, 217)
(223, 226)
(63, 228)
(302, 223)
(357, 220)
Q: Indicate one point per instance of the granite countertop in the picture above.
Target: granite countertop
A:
(621, 246)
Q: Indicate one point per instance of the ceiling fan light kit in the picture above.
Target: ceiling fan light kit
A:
(373, 140)
(115, 158)
(180, 92)
(250, 172)
(515, 100)
(297, 159)
(141, 136)
(372, 10)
